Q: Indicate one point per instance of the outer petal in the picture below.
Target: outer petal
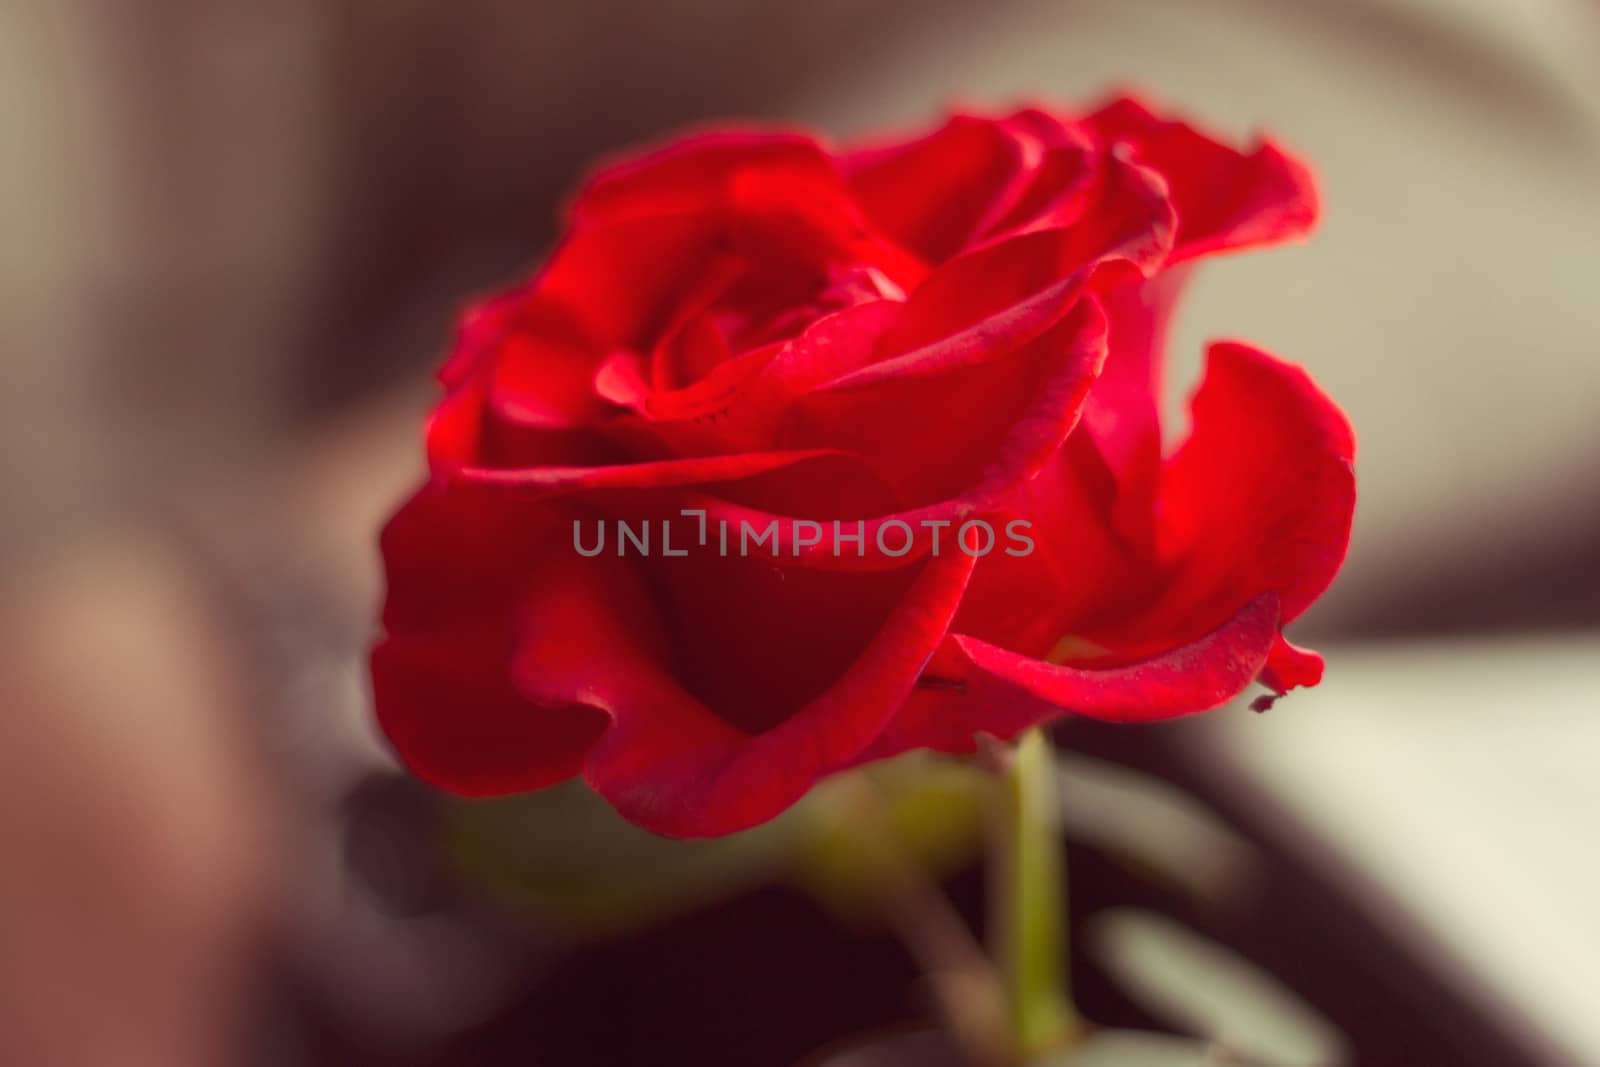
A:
(456, 721)
(1078, 565)
(617, 281)
(541, 483)
(1255, 520)
(1062, 178)
(455, 428)
(1260, 498)
(1122, 420)
(1262, 494)
(973, 687)
(510, 664)
(932, 195)
(458, 566)
(671, 765)
(693, 173)
(1289, 667)
(454, 561)
(1226, 199)
(761, 172)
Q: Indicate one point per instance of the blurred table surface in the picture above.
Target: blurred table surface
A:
(1451, 789)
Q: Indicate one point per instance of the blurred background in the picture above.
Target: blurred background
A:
(235, 239)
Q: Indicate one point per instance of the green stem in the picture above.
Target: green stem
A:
(962, 977)
(1027, 900)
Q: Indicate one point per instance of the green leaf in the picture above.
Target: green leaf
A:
(1202, 988)
(563, 856)
(1157, 829)
(932, 804)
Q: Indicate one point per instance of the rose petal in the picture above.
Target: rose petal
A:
(1062, 179)
(454, 430)
(457, 566)
(672, 766)
(1289, 667)
(1077, 566)
(737, 407)
(616, 282)
(754, 642)
(538, 483)
(1122, 419)
(1035, 396)
(1226, 200)
(742, 173)
(913, 419)
(694, 173)
(1262, 494)
(1260, 498)
(1131, 229)
(973, 687)
(932, 195)
(456, 722)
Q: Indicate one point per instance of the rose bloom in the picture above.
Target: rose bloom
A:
(910, 335)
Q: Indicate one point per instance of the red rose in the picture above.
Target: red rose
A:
(923, 376)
